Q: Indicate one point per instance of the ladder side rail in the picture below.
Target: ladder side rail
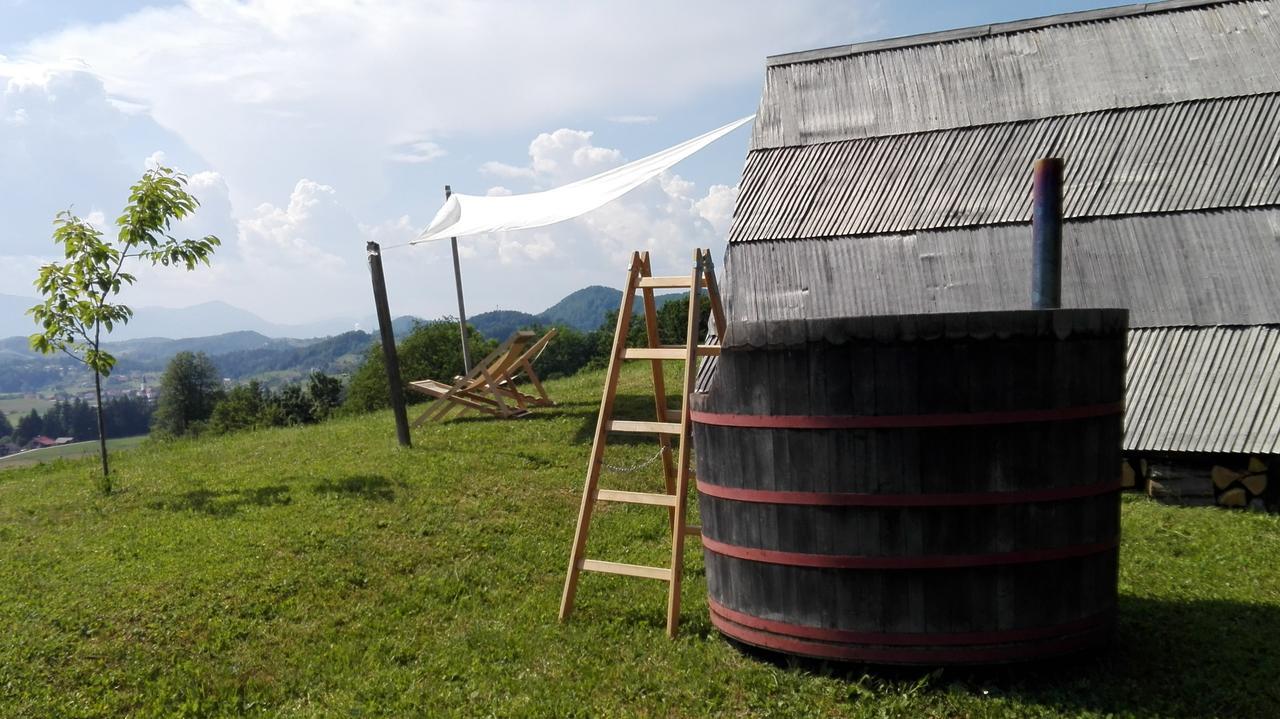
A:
(659, 381)
(598, 443)
(713, 292)
(682, 462)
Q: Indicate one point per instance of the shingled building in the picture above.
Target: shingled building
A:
(894, 177)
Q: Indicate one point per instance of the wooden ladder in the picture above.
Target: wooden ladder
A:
(676, 473)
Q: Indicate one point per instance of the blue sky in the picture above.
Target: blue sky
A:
(310, 127)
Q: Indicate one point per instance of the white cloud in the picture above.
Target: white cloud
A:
(361, 99)
(501, 169)
(717, 207)
(300, 234)
(290, 263)
(61, 148)
(256, 87)
(567, 155)
(154, 160)
(418, 152)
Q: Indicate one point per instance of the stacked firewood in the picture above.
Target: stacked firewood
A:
(1236, 481)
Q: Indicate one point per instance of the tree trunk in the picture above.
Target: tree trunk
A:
(102, 434)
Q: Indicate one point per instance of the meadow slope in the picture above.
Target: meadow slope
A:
(322, 571)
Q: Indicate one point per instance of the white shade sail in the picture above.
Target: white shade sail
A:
(464, 215)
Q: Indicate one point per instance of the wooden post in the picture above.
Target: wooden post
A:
(388, 343)
(462, 311)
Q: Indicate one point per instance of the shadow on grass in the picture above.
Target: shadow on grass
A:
(1171, 659)
(625, 406)
(225, 503)
(371, 487)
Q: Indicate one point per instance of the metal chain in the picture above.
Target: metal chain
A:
(634, 467)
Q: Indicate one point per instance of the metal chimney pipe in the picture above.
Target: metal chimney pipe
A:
(1046, 234)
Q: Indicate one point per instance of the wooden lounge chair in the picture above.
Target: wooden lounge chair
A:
(490, 386)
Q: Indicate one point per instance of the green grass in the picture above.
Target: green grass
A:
(75, 450)
(322, 571)
(17, 407)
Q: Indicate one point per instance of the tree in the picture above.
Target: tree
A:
(6, 428)
(189, 389)
(325, 393)
(294, 404)
(247, 406)
(82, 419)
(430, 351)
(54, 426)
(128, 416)
(76, 307)
(570, 351)
(673, 319)
(29, 426)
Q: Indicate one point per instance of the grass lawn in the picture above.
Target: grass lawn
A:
(324, 572)
(75, 450)
(16, 407)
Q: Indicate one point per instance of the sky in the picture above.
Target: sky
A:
(309, 127)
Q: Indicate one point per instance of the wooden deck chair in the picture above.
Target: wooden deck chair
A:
(490, 386)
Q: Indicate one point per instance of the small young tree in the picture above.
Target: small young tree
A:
(77, 292)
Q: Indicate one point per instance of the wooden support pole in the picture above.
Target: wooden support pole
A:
(392, 361)
(462, 310)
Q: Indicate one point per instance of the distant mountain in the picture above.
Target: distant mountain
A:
(237, 355)
(244, 345)
(499, 324)
(337, 354)
(205, 319)
(583, 310)
(400, 326)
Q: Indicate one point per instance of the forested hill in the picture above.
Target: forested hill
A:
(249, 354)
(237, 355)
(582, 310)
(340, 353)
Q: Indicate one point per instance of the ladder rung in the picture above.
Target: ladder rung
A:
(668, 352)
(703, 350)
(630, 570)
(617, 495)
(666, 282)
(623, 425)
(652, 353)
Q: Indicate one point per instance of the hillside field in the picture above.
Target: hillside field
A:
(322, 571)
(75, 450)
(17, 405)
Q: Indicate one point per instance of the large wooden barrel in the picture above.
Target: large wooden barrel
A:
(915, 489)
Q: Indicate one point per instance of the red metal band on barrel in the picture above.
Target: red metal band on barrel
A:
(906, 421)
(860, 499)
(902, 656)
(1006, 636)
(939, 561)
